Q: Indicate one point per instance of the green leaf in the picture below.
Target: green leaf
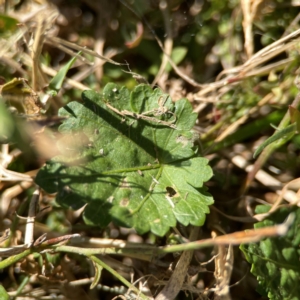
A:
(178, 54)
(57, 81)
(295, 116)
(13, 130)
(3, 293)
(7, 125)
(98, 271)
(281, 137)
(7, 25)
(276, 261)
(135, 169)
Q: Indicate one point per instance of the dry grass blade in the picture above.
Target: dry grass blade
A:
(263, 177)
(282, 195)
(10, 193)
(175, 283)
(223, 270)
(56, 41)
(236, 238)
(44, 22)
(7, 175)
(231, 76)
(168, 45)
(249, 8)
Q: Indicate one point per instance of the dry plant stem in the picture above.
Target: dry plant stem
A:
(74, 292)
(6, 48)
(292, 25)
(33, 208)
(49, 71)
(36, 52)
(72, 54)
(14, 250)
(99, 46)
(223, 270)
(174, 285)
(168, 45)
(107, 243)
(13, 176)
(103, 11)
(277, 203)
(251, 64)
(31, 14)
(270, 51)
(263, 177)
(258, 58)
(247, 26)
(56, 40)
(83, 74)
(274, 67)
(231, 128)
(10, 193)
(249, 8)
(124, 113)
(236, 238)
(270, 148)
(13, 64)
(234, 218)
(176, 69)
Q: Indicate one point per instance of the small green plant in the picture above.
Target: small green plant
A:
(131, 158)
(275, 261)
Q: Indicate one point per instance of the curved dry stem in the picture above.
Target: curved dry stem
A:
(168, 45)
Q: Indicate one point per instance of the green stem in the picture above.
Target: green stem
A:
(13, 259)
(21, 286)
(139, 253)
(121, 278)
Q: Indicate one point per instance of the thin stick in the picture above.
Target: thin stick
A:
(56, 40)
(141, 116)
(29, 230)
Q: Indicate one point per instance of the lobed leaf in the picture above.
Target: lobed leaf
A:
(130, 157)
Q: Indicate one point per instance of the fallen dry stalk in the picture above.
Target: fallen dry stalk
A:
(231, 76)
(236, 238)
(174, 285)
